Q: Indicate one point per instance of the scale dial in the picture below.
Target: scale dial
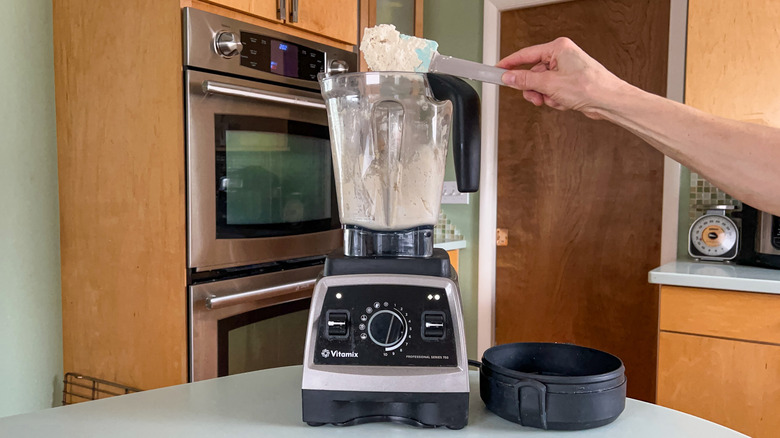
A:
(713, 236)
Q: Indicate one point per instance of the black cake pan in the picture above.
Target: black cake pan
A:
(553, 386)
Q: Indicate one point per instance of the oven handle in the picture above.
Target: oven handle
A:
(222, 88)
(214, 302)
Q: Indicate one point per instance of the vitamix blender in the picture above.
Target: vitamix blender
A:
(385, 340)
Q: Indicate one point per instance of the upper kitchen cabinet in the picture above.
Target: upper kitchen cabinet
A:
(268, 9)
(335, 19)
(732, 61)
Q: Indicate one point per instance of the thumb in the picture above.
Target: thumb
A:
(524, 80)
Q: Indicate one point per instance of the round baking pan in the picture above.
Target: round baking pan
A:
(553, 386)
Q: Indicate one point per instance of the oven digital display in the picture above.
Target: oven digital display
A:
(284, 59)
(280, 57)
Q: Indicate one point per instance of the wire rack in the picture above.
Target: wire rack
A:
(78, 388)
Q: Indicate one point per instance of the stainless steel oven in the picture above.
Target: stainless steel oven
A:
(262, 208)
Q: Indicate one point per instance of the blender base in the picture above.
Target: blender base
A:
(347, 408)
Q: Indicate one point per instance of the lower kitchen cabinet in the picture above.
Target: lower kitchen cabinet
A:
(719, 357)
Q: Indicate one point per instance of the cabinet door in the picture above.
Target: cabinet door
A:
(337, 19)
(262, 8)
(733, 383)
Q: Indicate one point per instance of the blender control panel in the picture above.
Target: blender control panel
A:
(280, 57)
(386, 325)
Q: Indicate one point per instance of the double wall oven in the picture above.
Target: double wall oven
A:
(262, 207)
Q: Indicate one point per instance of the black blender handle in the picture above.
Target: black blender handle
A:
(466, 133)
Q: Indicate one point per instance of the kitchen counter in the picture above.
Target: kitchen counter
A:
(450, 245)
(268, 403)
(717, 275)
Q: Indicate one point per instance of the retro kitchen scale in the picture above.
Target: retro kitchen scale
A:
(385, 338)
(714, 236)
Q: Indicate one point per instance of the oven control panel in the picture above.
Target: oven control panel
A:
(386, 325)
(280, 57)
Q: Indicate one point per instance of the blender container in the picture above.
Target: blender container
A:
(389, 137)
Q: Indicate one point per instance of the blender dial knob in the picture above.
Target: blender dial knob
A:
(387, 329)
(228, 44)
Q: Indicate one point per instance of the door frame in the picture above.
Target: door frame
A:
(488, 202)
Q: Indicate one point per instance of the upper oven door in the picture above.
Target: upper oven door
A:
(260, 180)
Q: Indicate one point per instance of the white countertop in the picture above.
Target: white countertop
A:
(451, 245)
(717, 275)
(268, 404)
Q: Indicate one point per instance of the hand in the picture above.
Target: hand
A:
(563, 77)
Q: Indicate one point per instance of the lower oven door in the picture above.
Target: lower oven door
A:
(249, 323)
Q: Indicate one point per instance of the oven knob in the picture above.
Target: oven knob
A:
(228, 44)
(387, 328)
(338, 66)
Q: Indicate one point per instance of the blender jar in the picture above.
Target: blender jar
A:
(389, 145)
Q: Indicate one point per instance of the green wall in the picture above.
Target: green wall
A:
(457, 26)
(31, 312)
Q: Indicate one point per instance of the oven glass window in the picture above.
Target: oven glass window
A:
(265, 338)
(274, 177)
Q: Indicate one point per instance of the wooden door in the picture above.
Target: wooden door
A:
(337, 19)
(261, 8)
(581, 198)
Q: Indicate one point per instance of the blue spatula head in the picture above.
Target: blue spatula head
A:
(425, 49)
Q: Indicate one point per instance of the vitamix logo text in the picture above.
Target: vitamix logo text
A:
(336, 353)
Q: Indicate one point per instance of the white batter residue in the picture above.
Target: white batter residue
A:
(386, 49)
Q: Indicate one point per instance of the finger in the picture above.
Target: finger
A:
(526, 80)
(529, 55)
(553, 104)
(534, 97)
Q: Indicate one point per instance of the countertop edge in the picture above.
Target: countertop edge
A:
(735, 278)
(451, 245)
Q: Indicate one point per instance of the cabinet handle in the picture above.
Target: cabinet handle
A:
(281, 9)
(213, 302)
(294, 12)
(224, 89)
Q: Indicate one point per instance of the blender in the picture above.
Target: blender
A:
(385, 339)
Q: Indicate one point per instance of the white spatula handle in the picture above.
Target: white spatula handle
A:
(466, 69)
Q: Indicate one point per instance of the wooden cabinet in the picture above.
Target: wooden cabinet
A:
(719, 357)
(268, 9)
(120, 145)
(336, 19)
(732, 59)
(332, 18)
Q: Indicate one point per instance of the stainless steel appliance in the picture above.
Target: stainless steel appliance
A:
(385, 340)
(760, 245)
(261, 210)
(260, 185)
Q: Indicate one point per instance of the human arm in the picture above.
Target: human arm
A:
(740, 158)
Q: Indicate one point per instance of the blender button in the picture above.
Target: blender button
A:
(363, 336)
(362, 326)
(363, 317)
(385, 304)
(376, 305)
(369, 310)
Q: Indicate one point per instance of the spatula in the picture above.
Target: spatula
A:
(460, 67)
(434, 62)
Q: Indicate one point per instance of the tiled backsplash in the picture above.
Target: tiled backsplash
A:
(704, 195)
(445, 231)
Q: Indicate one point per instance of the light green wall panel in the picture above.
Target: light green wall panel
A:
(457, 26)
(31, 314)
